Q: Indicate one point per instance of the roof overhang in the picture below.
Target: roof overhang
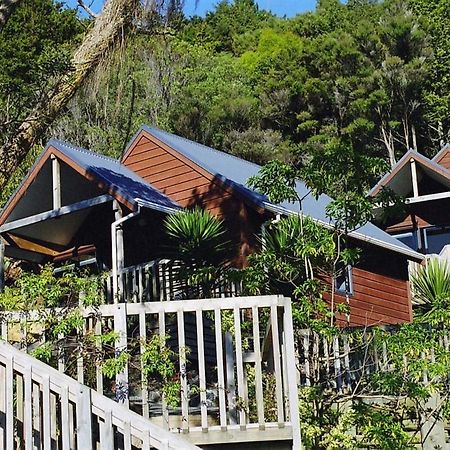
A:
(411, 254)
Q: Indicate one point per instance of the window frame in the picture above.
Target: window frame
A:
(348, 279)
(427, 230)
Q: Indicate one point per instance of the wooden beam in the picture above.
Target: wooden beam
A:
(415, 183)
(26, 221)
(56, 183)
(31, 246)
(428, 197)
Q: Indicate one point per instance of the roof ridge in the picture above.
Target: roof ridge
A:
(182, 138)
(83, 150)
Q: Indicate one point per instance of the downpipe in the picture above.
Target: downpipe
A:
(114, 227)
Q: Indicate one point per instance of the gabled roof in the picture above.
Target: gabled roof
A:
(445, 150)
(116, 177)
(236, 171)
(399, 177)
(109, 174)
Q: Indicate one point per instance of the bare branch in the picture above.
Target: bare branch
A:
(83, 5)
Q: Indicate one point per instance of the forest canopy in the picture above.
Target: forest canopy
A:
(369, 77)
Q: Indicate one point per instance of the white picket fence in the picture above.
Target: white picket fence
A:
(236, 348)
(41, 408)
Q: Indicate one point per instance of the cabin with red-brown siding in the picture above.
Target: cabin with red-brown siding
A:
(68, 206)
(195, 175)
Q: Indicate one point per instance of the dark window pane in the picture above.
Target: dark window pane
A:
(344, 281)
(436, 239)
(408, 239)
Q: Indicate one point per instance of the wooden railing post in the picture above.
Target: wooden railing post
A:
(231, 383)
(84, 421)
(291, 375)
(120, 327)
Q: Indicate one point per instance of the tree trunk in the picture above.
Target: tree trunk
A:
(6, 9)
(110, 26)
(389, 143)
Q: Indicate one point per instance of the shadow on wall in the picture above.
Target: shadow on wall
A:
(242, 219)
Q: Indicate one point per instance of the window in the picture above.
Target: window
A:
(408, 239)
(344, 280)
(436, 238)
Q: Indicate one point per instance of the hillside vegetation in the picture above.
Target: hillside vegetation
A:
(360, 82)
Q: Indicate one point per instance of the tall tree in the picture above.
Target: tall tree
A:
(6, 9)
(112, 24)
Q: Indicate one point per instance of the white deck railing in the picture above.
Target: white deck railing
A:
(239, 376)
(157, 281)
(43, 408)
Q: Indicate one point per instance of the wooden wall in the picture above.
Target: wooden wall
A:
(444, 159)
(376, 300)
(190, 185)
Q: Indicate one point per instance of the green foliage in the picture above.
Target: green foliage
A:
(197, 236)
(158, 359)
(382, 429)
(35, 50)
(44, 289)
(44, 352)
(277, 180)
(297, 256)
(113, 366)
(324, 426)
(431, 284)
(158, 363)
(198, 241)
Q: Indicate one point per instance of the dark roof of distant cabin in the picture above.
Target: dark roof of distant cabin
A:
(114, 175)
(236, 171)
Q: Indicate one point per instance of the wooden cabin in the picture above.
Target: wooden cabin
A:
(424, 222)
(78, 205)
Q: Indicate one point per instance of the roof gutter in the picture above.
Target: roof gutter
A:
(157, 207)
(411, 253)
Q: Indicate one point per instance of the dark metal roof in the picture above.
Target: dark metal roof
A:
(115, 176)
(236, 171)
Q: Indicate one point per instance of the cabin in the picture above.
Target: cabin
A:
(79, 206)
(423, 224)
(86, 209)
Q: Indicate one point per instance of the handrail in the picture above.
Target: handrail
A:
(86, 401)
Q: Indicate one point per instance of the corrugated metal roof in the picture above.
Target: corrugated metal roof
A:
(115, 175)
(236, 171)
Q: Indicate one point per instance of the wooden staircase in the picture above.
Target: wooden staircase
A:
(41, 408)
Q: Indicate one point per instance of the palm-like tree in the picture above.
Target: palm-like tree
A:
(198, 241)
(431, 288)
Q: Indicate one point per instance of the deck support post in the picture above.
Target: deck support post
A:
(120, 315)
(292, 376)
(117, 251)
(2, 265)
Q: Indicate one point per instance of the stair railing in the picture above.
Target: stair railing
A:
(41, 407)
